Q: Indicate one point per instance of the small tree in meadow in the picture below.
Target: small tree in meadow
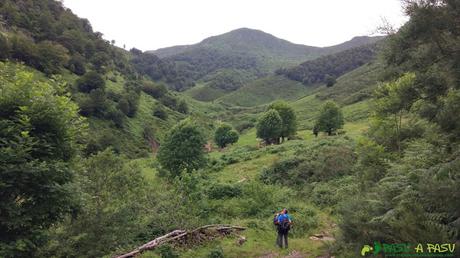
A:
(270, 126)
(182, 149)
(225, 135)
(330, 118)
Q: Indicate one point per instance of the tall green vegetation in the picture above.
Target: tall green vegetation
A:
(113, 195)
(278, 122)
(183, 149)
(412, 168)
(330, 119)
(269, 127)
(225, 135)
(38, 142)
(324, 69)
(288, 118)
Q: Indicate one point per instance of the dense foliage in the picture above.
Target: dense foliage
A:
(329, 120)
(411, 197)
(288, 118)
(38, 141)
(324, 69)
(269, 127)
(225, 135)
(183, 149)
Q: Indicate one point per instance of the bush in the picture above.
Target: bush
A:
(166, 251)
(182, 107)
(223, 191)
(5, 47)
(160, 112)
(169, 101)
(39, 139)
(270, 126)
(244, 126)
(182, 149)
(216, 253)
(76, 65)
(129, 102)
(225, 135)
(155, 90)
(90, 81)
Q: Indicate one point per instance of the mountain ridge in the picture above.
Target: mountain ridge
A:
(234, 37)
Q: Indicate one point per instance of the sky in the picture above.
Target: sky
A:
(153, 24)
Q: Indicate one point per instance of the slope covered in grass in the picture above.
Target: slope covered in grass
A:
(265, 90)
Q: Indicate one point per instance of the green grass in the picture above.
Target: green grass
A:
(203, 92)
(266, 90)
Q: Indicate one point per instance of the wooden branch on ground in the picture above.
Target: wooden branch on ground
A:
(185, 236)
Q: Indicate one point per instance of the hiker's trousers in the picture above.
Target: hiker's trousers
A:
(282, 239)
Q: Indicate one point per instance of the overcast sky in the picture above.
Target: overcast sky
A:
(152, 24)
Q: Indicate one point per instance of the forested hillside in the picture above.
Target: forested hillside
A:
(327, 68)
(256, 52)
(98, 155)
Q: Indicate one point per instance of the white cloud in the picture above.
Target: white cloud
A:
(152, 24)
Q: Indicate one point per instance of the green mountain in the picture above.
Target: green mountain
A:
(373, 154)
(246, 49)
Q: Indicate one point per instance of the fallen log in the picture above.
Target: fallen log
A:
(207, 232)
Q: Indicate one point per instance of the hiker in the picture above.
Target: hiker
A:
(283, 224)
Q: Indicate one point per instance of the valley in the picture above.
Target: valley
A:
(103, 149)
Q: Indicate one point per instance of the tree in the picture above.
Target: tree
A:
(38, 140)
(270, 126)
(330, 80)
(114, 199)
(330, 118)
(288, 117)
(160, 112)
(4, 47)
(182, 149)
(182, 107)
(76, 65)
(393, 101)
(90, 81)
(225, 135)
(51, 57)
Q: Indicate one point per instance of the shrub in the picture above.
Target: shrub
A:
(182, 149)
(216, 253)
(270, 126)
(160, 112)
(155, 90)
(182, 107)
(90, 81)
(225, 135)
(222, 191)
(169, 101)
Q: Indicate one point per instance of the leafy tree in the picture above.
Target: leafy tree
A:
(393, 101)
(182, 107)
(326, 68)
(288, 117)
(90, 81)
(114, 197)
(51, 57)
(330, 118)
(155, 90)
(160, 112)
(270, 126)
(4, 47)
(225, 135)
(76, 65)
(129, 102)
(329, 80)
(169, 101)
(38, 140)
(182, 149)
